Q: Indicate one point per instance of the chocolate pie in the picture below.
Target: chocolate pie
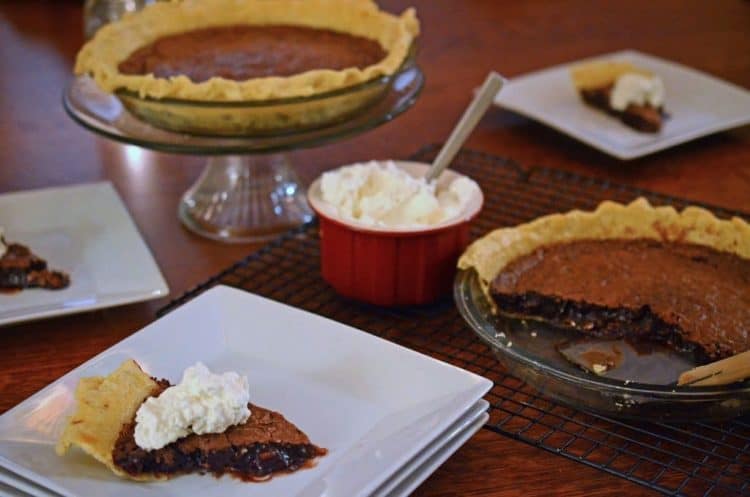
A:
(104, 423)
(225, 51)
(256, 53)
(599, 84)
(20, 268)
(635, 271)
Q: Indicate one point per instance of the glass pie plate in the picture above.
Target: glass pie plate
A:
(529, 351)
(245, 127)
(256, 118)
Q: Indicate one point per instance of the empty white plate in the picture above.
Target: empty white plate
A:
(85, 231)
(373, 404)
(697, 105)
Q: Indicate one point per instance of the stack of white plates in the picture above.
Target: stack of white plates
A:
(389, 416)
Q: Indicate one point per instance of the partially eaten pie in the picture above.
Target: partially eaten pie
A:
(653, 273)
(223, 52)
(103, 426)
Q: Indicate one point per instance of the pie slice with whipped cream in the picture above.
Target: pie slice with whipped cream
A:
(145, 429)
(631, 93)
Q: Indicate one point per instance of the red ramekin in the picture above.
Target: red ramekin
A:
(391, 266)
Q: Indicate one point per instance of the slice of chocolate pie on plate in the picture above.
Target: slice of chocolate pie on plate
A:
(635, 271)
(631, 93)
(127, 422)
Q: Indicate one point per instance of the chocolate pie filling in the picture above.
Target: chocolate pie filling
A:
(267, 443)
(688, 296)
(641, 117)
(244, 52)
(21, 268)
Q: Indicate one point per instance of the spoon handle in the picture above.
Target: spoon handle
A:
(466, 125)
(722, 372)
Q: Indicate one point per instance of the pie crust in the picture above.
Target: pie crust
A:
(105, 404)
(490, 254)
(595, 75)
(116, 41)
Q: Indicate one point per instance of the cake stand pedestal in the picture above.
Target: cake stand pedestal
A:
(249, 191)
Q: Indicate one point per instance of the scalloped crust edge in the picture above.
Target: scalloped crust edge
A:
(114, 42)
(638, 219)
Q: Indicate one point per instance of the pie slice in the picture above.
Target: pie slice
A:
(623, 90)
(636, 271)
(20, 268)
(103, 426)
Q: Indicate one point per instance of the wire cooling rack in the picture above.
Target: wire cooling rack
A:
(687, 460)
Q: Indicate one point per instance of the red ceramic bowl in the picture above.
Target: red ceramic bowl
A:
(391, 266)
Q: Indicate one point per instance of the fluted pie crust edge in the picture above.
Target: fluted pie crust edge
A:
(490, 254)
(114, 42)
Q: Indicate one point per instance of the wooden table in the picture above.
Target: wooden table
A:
(462, 40)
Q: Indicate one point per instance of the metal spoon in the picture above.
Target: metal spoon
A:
(466, 125)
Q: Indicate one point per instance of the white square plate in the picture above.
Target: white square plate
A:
(371, 403)
(85, 231)
(697, 105)
(425, 463)
(401, 483)
(432, 463)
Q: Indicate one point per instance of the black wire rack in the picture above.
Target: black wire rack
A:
(694, 459)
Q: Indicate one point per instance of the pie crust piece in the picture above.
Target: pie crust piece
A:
(114, 42)
(104, 405)
(595, 75)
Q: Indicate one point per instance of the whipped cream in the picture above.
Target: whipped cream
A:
(637, 89)
(203, 402)
(382, 194)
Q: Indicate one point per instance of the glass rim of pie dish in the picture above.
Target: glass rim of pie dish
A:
(475, 310)
(107, 115)
(384, 80)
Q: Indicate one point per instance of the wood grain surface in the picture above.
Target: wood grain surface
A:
(462, 40)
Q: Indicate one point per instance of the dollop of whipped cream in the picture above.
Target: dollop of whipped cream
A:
(203, 402)
(637, 89)
(381, 194)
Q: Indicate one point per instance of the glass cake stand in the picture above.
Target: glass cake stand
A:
(249, 190)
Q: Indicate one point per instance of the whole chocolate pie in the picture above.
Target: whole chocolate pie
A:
(635, 271)
(223, 50)
(250, 52)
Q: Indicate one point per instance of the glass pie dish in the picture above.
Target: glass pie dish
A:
(529, 351)
(261, 117)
